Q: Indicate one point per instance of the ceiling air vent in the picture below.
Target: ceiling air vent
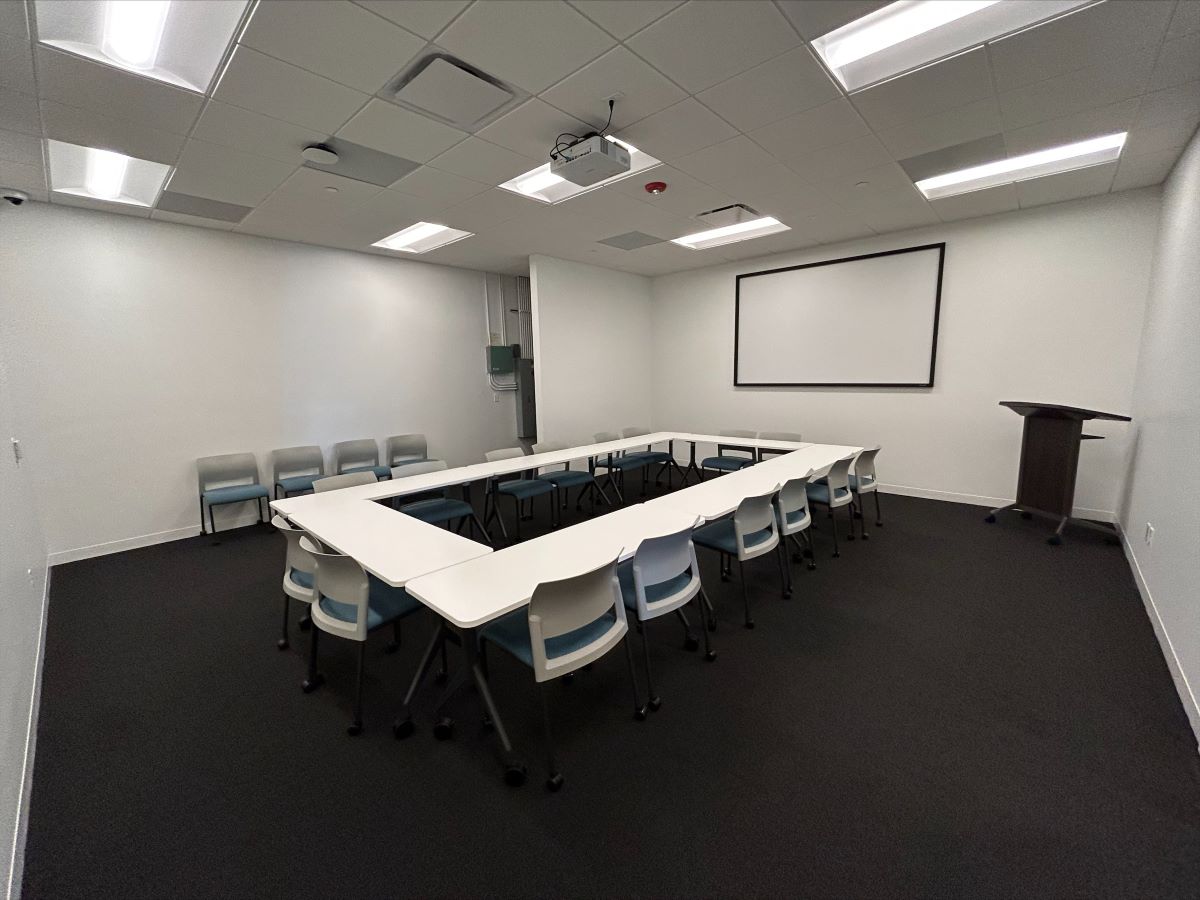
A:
(452, 92)
(632, 240)
(727, 215)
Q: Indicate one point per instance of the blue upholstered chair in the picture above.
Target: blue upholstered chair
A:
(359, 456)
(404, 449)
(751, 532)
(795, 519)
(864, 480)
(230, 478)
(615, 465)
(566, 478)
(833, 492)
(764, 452)
(438, 507)
(520, 488)
(730, 457)
(350, 603)
(297, 576)
(664, 459)
(567, 625)
(294, 469)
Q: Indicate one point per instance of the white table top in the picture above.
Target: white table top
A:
(488, 587)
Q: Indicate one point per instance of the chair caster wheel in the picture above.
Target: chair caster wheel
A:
(837, 556)
(724, 577)
(440, 678)
(305, 623)
(878, 524)
(311, 684)
(1026, 515)
(750, 623)
(390, 647)
(554, 783)
(787, 595)
(514, 775)
(691, 644)
(639, 714)
(710, 656)
(355, 729)
(990, 518)
(282, 644)
(812, 566)
(403, 729)
(655, 703)
(865, 537)
(1054, 540)
(444, 729)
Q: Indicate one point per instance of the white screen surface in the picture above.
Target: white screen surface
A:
(869, 320)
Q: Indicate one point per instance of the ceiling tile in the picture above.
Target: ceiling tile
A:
(585, 93)
(532, 128)
(102, 89)
(280, 227)
(487, 210)
(306, 193)
(774, 190)
(1143, 171)
(826, 125)
(976, 203)
(438, 185)
(22, 176)
(864, 186)
(480, 160)
(529, 43)
(1066, 186)
(1088, 37)
(701, 44)
(19, 112)
(620, 18)
(222, 173)
(719, 164)
(334, 38)
(1124, 77)
(1173, 103)
(685, 196)
(1163, 136)
(945, 129)
(16, 64)
(242, 129)
(400, 132)
(160, 215)
(92, 129)
(25, 149)
(887, 219)
(814, 18)
(949, 84)
(683, 128)
(12, 20)
(783, 86)
(265, 85)
(1186, 19)
(1087, 124)
(615, 211)
(840, 159)
(385, 213)
(1178, 62)
(426, 18)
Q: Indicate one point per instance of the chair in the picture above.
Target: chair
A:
(777, 436)
(519, 488)
(350, 603)
(566, 478)
(615, 465)
(726, 461)
(439, 508)
(337, 482)
(662, 578)
(359, 456)
(405, 449)
(865, 481)
(230, 478)
(663, 458)
(794, 517)
(567, 625)
(832, 492)
(751, 532)
(297, 575)
(294, 469)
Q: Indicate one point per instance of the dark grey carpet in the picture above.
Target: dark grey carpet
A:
(950, 709)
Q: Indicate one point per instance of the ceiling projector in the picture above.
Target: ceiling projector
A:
(590, 160)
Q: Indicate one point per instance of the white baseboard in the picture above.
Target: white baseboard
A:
(1080, 512)
(1186, 695)
(144, 540)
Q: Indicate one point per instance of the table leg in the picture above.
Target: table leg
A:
(691, 466)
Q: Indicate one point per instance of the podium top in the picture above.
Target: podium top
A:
(1056, 411)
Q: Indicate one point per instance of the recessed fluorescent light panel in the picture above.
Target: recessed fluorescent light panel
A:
(730, 234)
(913, 33)
(542, 184)
(104, 174)
(421, 238)
(1066, 158)
(180, 42)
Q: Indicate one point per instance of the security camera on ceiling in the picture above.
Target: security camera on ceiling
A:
(589, 159)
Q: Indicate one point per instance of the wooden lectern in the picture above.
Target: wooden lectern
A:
(1049, 460)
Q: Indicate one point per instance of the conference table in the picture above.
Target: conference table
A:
(467, 584)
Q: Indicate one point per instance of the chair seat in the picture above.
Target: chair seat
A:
(294, 483)
(867, 481)
(727, 463)
(511, 632)
(384, 604)
(621, 463)
(567, 478)
(720, 535)
(234, 493)
(381, 472)
(652, 457)
(524, 488)
(437, 510)
(304, 579)
(819, 493)
(654, 592)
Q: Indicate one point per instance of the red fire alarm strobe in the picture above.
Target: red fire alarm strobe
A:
(655, 187)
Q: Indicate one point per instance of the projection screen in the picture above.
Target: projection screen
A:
(862, 321)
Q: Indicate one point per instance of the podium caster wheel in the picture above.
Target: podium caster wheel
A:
(403, 729)
(311, 684)
(514, 775)
(444, 729)
(639, 714)
(655, 703)
(1026, 515)
(710, 656)
(990, 518)
(1054, 540)
(282, 644)
(355, 729)
(554, 783)
(691, 644)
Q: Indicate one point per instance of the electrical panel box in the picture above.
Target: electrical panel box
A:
(500, 359)
(526, 406)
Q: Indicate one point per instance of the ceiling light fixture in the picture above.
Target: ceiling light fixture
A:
(133, 30)
(1080, 155)
(729, 234)
(908, 34)
(542, 184)
(421, 238)
(104, 174)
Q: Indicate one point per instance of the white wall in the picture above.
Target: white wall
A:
(1043, 304)
(142, 345)
(1164, 475)
(592, 349)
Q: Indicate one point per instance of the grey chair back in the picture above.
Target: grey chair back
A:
(752, 515)
(601, 437)
(296, 461)
(781, 436)
(737, 432)
(864, 470)
(548, 446)
(342, 579)
(742, 448)
(792, 498)
(419, 468)
(406, 449)
(297, 559)
(658, 560)
(506, 453)
(634, 431)
(229, 468)
(337, 482)
(348, 454)
(560, 607)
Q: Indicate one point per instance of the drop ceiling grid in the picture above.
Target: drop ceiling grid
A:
(817, 175)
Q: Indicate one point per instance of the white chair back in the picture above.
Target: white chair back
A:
(342, 580)
(337, 482)
(864, 471)
(792, 499)
(755, 514)
(298, 559)
(661, 559)
(560, 607)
